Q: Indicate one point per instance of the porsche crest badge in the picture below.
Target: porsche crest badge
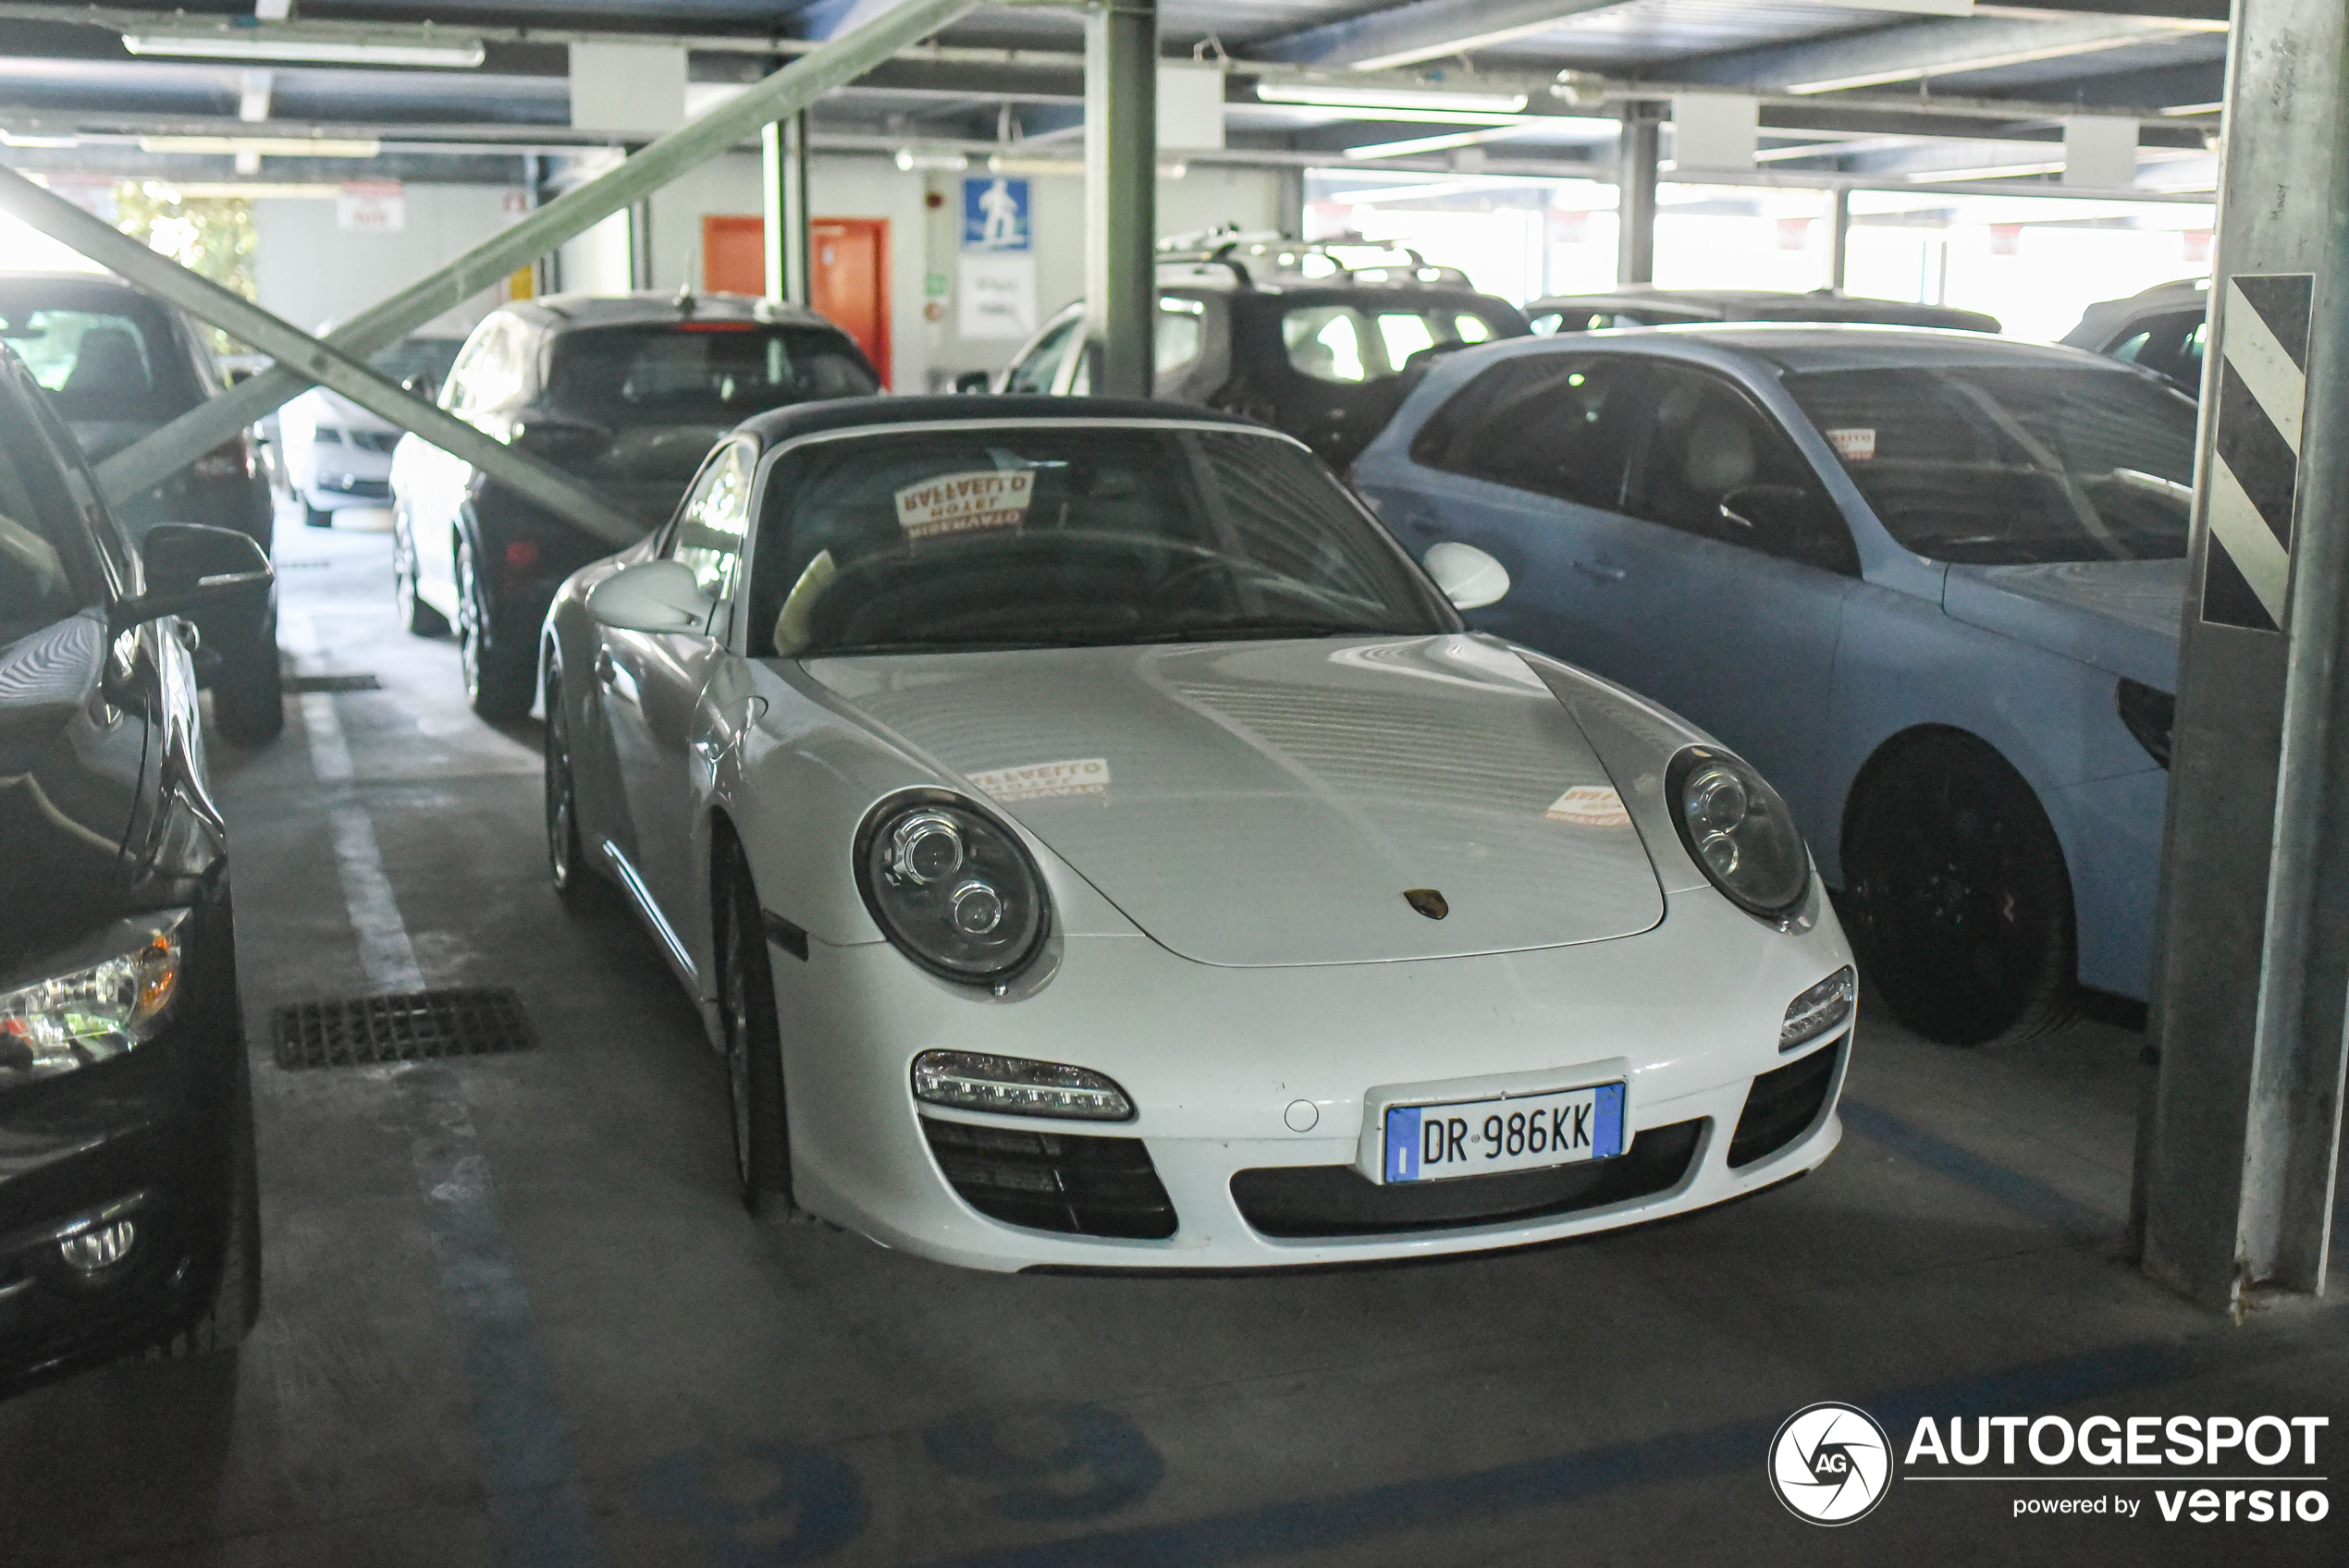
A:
(1428, 902)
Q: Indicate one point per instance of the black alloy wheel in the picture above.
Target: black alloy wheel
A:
(566, 861)
(419, 617)
(754, 1048)
(1958, 898)
(497, 684)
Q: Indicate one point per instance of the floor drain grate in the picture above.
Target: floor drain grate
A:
(407, 1026)
(333, 683)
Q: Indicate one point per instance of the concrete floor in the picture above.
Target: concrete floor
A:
(515, 1316)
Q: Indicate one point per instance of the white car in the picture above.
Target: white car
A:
(1093, 841)
(332, 454)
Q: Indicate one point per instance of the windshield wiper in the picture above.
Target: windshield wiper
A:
(1246, 631)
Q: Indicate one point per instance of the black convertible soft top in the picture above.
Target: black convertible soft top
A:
(837, 413)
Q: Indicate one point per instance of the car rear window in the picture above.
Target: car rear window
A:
(700, 373)
(96, 364)
(1349, 343)
(2013, 465)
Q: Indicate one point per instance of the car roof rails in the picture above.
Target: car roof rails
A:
(1241, 251)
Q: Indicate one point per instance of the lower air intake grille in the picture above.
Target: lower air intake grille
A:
(1337, 1200)
(1782, 1105)
(407, 1026)
(1072, 1183)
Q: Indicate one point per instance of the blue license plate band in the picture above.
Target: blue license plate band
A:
(1607, 1136)
(1403, 1143)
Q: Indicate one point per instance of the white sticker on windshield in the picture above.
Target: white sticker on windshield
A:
(1852, 445)
(955, 503)
(1042, 780)
(1590, 806)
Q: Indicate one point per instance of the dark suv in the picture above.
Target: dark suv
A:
(629, 393)
(128, 1210)
(118, 364)
(1305, 337)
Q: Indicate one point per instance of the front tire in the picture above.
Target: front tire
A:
(419, 617)
(566, 861)
(236, 1300)
(1960, 904)
(753, 1050)
(499, 675)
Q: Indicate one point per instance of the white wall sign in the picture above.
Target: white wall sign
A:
(1714, 130)
(1190, 107)
(372, 206)
(2100, 150)
(997, 296)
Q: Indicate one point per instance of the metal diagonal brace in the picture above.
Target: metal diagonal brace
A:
(101, 241)
(156, 458)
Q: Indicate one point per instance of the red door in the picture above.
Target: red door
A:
(848, 281)
(733, 254)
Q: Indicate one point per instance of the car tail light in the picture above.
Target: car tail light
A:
(521, 555)
(231, 460)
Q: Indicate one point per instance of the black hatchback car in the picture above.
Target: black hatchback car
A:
(118, 364)
(627, 392)
(1287, 333)
(1641, 304)
(127, 1212)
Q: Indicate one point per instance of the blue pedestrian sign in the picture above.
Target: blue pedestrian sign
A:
(995, 213)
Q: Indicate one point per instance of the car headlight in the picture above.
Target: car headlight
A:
(1738, 829)
(954, 889)
(118, 994)
(1011, 1085)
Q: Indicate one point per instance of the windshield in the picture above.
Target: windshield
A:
(699, 372)
(2011, 466)
(428, 357)
(1036, 535)
(1349, 343)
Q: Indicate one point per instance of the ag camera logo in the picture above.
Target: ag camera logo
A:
(1830, 1463)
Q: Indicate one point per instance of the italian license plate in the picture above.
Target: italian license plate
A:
(1430, 1143)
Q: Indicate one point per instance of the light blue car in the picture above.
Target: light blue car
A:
(1929, 582)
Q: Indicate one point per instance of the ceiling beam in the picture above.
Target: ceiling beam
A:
(1424, 29)
(1920, 50)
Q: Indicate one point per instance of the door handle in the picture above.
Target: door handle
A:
(604, 665)
(1599, 573)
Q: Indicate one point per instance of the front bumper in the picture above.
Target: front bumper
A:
(1218, 1060)
(149, 1137)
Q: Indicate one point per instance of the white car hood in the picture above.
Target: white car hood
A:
(1268, 803)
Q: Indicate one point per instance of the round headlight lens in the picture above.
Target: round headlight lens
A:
(951, 886)
(1737, 830)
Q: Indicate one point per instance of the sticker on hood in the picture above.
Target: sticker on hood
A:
(956, 503)
(1043, 780)
(1590, 806)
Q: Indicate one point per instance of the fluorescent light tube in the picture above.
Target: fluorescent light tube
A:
(1342, 97)
(268, 146)
(461, 53)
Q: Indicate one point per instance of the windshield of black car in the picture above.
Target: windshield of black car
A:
(699, 372)
(101, 366)
(46, 569)
(1037, 535)
(2013, 465)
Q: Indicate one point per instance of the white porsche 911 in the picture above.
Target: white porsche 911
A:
(1093, 841)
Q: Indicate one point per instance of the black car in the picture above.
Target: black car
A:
(118, 364)
(127, 1212)
(1639, 304)
(1308, 338)
(2162, 329)
(627, 392)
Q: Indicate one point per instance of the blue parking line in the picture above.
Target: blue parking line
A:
(1319, 1523)
(2026, 1195)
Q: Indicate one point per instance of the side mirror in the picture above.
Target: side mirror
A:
(215, 576)
(652, 596)
(428, 387)
(564, 440)
(974, 381)
(1469, 578)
